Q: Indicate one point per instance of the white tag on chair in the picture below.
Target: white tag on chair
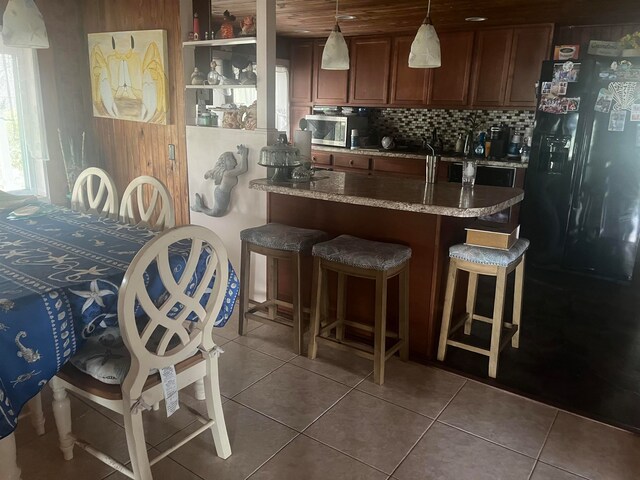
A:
(170, 389)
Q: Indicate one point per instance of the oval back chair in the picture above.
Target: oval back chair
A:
(174, 329)
(155, 214)
(95, 192)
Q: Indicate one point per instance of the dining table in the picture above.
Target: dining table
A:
(60, 273)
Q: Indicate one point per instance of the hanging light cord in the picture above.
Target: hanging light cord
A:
(429, 9)
(337, 1)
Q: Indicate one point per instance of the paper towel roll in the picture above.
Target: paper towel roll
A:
(302, 141)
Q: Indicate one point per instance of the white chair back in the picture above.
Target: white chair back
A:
(184, 289)
(95, 192)
(156, 214)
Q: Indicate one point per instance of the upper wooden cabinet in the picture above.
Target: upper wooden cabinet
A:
(409, 86)
(301, 87)
(530, 47)
(369, 70)
(491, 67)
(450, 82)
(331, 86)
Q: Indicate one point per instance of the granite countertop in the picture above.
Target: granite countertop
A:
(416, 155)
(399, 193)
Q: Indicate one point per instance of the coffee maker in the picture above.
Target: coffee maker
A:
(499, 136)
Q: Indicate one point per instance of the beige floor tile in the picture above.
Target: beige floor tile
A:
(343, 367)
(41, 459)
(92, 428)
(241, 366)
(276, 341)
(423, 389)
(591, 449)
(230, 330)
(293, 396)
(547, 472)
(371, 430)
(514, 422)
(307, 459)
(254, 438)
(445, 453)
(164, 469)
(25, 432)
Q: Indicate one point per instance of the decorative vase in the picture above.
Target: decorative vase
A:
(631, 52)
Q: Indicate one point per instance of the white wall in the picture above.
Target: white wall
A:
(248, 208)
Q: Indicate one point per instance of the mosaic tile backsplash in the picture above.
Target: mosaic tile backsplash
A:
(410, 125)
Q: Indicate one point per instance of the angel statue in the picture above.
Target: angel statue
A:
(225, 175)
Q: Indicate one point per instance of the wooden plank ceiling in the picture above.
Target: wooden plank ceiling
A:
(314, 18)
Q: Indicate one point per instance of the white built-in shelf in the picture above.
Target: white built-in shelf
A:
(221, 43)
(217, 87)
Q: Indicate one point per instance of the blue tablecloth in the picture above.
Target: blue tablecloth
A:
(59, 280)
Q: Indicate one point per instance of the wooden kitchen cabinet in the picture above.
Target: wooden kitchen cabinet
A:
(320, 158)
(301, 84)
(369, 82)
(399, 166)
(492, 54)
(330, 86)
(450, 83)
(530, 47)
(409, 86)
(344, 162)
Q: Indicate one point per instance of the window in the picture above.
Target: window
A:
(22, 145)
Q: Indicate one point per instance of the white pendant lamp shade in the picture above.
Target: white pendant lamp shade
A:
(425, 49)
(23, 25)
(335, 55)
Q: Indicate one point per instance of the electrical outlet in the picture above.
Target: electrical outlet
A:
(172, 152)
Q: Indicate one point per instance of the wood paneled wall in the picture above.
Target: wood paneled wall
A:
(128, 149)
(582, 34)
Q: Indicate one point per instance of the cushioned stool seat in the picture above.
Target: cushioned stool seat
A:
(361, 253)
(495, 263)
(279, 244)
(349, 256)
(283, 237)
(489, 256)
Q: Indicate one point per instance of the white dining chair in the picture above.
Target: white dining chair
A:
(169, 338)
(155, 214)
(95, 192)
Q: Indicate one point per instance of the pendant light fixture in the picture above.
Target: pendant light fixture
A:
(425, 49)
(23, 25)
(335, 55)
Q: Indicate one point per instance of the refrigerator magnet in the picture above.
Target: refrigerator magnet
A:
(604, 101)
(566, 72)
(546, 88)
(558, 88)
(635, 112)
(617, 120)
(573, 104)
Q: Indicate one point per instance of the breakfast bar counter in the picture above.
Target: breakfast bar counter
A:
(429, 218)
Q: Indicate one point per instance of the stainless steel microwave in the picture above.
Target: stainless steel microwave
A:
(335, 131)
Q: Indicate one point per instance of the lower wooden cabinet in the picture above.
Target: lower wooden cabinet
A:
(347, 162)
(411, 167)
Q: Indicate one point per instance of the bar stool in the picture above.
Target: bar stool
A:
(495, 263)
(352, 256)
(276, 242)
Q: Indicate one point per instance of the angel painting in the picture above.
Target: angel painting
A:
(128, 75)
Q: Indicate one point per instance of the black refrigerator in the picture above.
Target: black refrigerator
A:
(582, 195)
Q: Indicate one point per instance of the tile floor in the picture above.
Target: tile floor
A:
(292, 418)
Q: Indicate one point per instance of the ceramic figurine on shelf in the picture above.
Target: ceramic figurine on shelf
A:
(197, 77)
(226, 29)
(248, 27)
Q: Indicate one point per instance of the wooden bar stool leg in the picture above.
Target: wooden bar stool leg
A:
(496, 329)
(403, 318)
(471, 301)
(380, 328)
(517, 302)
(316, 302)
(245, 280)
(449, 296)
(341, 304)
(272, 286)
(297, 304)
